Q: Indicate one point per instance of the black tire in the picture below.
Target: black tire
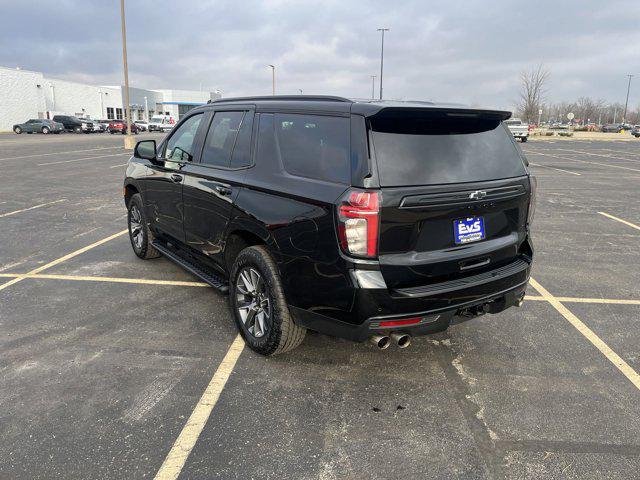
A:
(45, 130)
(524, 139)
(138, 225)
(18, 130)
(279, 334)
(78, 129)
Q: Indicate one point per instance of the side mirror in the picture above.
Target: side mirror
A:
(146, 149)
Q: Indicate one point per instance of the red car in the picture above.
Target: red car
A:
(120, 126)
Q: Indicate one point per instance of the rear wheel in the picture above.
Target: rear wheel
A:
(139, 233)
(259, 307)
(18, 130)
(524, 139)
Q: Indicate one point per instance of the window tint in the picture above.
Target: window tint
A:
(438, 148)
(180, 145)
(241, 156)
(221, 138)
(314, 146)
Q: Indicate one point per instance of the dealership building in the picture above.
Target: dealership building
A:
(25, 94)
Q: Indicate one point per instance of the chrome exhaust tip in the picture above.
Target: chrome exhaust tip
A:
(403, 340)
(380, 341)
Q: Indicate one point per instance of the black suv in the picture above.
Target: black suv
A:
(365, 220)
(74, 124)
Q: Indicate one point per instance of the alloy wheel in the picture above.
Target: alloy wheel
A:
(135, 222)
(252, 302)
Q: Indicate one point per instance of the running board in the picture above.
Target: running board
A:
(206, 276)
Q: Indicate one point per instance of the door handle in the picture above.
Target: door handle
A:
(222, 190)
(176, 178)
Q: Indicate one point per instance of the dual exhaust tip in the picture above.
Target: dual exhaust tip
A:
(402, 340)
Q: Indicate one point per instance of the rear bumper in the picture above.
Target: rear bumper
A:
(436, 305)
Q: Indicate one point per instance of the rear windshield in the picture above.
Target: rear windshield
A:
(440, 148)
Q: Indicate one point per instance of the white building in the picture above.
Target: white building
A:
(25, 94)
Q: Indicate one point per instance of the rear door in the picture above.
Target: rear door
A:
(212, 185)
(454, 195)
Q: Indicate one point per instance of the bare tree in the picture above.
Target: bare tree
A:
(532, 93)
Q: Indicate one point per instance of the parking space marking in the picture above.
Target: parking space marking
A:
(589, 334)
(31, 208)
(632, 225)
(63, 259)
(82, 159)
(177, 456)
(584, 161)
(608, 301)
(598, 154)
(80, 278)
(60, 153)
(554, 168)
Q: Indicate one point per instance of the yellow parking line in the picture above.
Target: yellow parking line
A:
(62, 259)
(175, 460)
(31, 208)
(589, 334)
(79, 278)
(632, 225)
(608, 301)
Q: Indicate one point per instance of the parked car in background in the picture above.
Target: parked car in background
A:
(120, 126)
(518, 128)
(161, 123)
(279, 201)
(142, 125)
(612, 128)
(38, 125)
(636, 131)
(74, 124)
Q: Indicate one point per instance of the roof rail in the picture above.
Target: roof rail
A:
(299, 98)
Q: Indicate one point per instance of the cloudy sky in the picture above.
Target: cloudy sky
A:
(459, 51)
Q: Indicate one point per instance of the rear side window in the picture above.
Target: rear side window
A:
(313, 146)
(221, 138)
(439, 148)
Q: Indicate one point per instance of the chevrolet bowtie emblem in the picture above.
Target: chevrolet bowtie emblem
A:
(478, 195)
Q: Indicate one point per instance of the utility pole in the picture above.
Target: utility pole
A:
(373, 86)
(624, 116)
(273, 79)
(382, 57)
(128, 139)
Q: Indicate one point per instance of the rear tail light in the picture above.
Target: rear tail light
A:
(532, 199)
(358, 219)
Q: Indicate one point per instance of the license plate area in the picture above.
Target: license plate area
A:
(468, 230)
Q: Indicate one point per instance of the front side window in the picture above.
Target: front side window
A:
(221, 138)
(180, 144)
(314, 146)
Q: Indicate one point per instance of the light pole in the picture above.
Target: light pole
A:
(146, 110)
(373, 86)
(273, 79)
(382, 57)
(128, 139)
(624, 116)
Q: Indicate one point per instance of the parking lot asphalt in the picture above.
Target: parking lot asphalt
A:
(104, 358)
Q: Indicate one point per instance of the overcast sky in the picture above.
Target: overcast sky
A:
(465, 51)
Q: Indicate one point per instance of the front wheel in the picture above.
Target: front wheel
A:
(523, 139)
(78, 129)
(18, 130)
(259, 307)
(139, 233)
(45, 130)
